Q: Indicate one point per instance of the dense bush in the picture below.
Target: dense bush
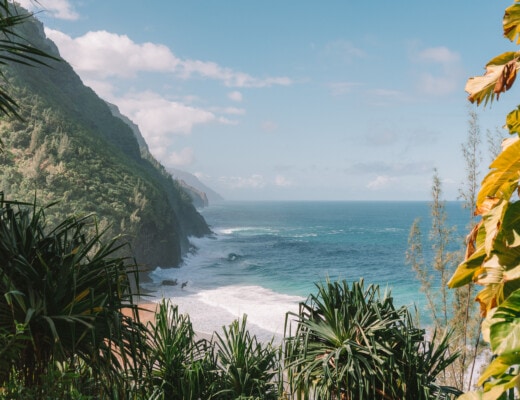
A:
(352, 343)
(62, 303)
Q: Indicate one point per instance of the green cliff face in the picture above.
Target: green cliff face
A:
(71, 149)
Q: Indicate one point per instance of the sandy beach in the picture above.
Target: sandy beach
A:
(147, 312)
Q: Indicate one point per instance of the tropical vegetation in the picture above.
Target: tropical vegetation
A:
(352, 343)
(69, 327)
(493, 250)
(69, 324)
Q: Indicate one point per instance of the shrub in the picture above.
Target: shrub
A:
(351, 343)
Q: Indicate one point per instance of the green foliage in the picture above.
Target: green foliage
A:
(64, 294)
(246, 368)
(493, 251)
(181, 367)
(14, 48)
(68, 147)
(352, 343)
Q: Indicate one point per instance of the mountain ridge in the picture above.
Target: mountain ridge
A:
(70, 148)
(199, 193)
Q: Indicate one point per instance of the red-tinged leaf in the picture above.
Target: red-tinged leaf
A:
(506, 79)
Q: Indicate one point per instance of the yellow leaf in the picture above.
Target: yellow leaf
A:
(497, 367)
(466, 271)
(486, 325)
(511, 23)
(481, 88)
(512, 274)
(513, 122)
(502, 180)
(491, 272)
(489, 298)
(487, 204)
(492, 222)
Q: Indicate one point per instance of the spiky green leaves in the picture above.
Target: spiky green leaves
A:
(351, 342)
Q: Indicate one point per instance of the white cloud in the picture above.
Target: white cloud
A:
(235, 96)
(157, 116)
(160, 120)
(381, 182)
(105, 54)
(282, 181)
(237, 182)
(441, 55)
(181, 158)
(233, 111)
(201, 175)
(61, 9)
(440, 72)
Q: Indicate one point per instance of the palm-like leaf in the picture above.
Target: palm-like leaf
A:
(15, 49)
(181, 366)
(247, 367)
(68, 291)
(352, 343)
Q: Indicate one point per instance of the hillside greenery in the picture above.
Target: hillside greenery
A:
(68, 147)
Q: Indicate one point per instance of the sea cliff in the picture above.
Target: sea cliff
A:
(69, 148)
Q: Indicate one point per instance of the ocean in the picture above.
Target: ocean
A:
(265, 257)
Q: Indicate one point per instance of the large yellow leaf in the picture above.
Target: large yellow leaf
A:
(502, 180)
(513, 121)
(475, 256)
(492, 222)
(495, 390)
(511, 23)
(470, 396)
(498, 366)
(465, 272)
(492, 272)
(490, 297)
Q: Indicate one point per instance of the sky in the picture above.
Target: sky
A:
(293, 100)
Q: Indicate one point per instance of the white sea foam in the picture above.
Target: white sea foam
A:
(211, 309)
(256, 230)
(264, 308)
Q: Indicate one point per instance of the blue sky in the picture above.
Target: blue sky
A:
(292, 100)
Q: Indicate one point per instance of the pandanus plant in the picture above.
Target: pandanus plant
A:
(66, 298)
(352, 343)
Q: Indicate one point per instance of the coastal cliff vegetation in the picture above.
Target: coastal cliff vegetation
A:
(67, 147)
(69, 327)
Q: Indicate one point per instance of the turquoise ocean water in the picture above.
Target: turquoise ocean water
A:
(265, 257)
